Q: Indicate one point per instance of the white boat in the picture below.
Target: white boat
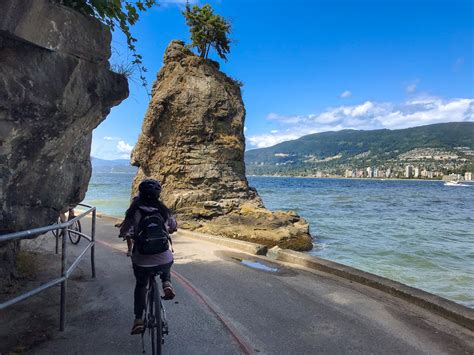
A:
(454, 183)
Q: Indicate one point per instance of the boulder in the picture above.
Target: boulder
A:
(55, 88)
(192, 140)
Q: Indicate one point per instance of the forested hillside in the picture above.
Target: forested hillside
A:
(445, 146)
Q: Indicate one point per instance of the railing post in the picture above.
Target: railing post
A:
(62, 315)
(93, 242)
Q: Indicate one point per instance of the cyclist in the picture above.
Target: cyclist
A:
(146, 203)
(71, 215)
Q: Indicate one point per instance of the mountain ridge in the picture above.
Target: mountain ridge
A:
(112, 166)
(335, 151)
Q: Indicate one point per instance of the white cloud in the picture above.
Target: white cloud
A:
(362, 109)
(267, 140)
(110, 148)
(124, 148)
(345, 94)
(412, 86)
(417, 111)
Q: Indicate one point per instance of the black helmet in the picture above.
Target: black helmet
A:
(149, 189)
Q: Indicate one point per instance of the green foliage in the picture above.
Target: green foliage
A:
(207, 30)
(116, 13)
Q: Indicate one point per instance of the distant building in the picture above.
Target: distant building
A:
(319, 174)
(468, 176)
(370, 172)
(426, 174)
(349, 173)
(408, 171)
(388, 172)
(360, 173)
(416, 173)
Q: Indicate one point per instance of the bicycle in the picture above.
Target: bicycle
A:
(74, 237)
(157, 325)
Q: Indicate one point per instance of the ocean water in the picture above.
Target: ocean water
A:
(420, 233)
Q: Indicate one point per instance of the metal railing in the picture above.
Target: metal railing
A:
(65, 273)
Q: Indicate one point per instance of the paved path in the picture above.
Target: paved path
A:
(226, 307)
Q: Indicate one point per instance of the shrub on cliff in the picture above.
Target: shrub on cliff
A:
(207, 30)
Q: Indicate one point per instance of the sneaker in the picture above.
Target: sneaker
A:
(168, 290)
(138, 327)
(129, 253)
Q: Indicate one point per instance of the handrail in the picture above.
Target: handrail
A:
(41, 230)
(65, 273)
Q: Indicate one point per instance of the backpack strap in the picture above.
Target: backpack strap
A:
(171, 243)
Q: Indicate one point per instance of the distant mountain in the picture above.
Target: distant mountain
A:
(437, 144)
(102, 162)
(112, 166)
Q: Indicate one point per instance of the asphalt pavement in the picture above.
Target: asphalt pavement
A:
(229, 302)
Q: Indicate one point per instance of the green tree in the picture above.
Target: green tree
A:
(208, 30)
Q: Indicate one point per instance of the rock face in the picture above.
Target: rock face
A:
(55, 88)
(192, 141)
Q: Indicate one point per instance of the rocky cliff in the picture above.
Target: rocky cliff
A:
(55, 88)
(192, 141)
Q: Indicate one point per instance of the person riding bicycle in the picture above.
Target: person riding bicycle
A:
(71, 215)
(143, 208)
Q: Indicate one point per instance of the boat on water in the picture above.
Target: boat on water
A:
(454, 183)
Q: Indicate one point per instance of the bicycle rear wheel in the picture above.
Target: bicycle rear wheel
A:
(152, 317)
(159, 321)
(56, 232)
(74, 237)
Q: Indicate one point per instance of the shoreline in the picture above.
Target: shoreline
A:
(346, 178)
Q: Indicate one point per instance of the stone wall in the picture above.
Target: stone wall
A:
(55, 88)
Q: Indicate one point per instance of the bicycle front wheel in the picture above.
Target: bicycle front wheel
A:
(73, 236)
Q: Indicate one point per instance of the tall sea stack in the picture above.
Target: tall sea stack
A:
(192, 141)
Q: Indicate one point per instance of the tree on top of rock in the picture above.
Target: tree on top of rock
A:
(207, 30)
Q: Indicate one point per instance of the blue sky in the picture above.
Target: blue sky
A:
(314, 66)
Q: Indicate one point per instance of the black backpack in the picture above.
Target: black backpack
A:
(151, 236)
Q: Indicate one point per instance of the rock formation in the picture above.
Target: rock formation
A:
(192, 141)
(55, 88)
